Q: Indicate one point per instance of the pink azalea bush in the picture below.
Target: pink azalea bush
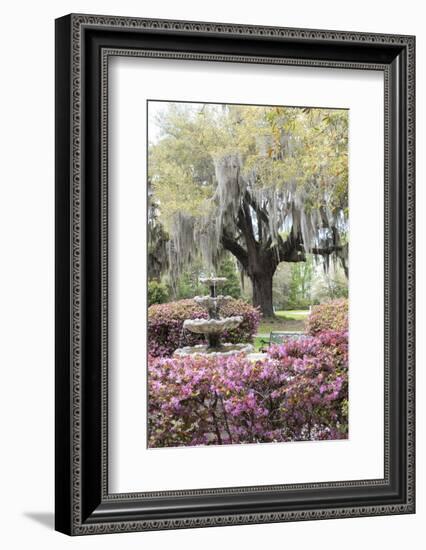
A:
(165, 324)
(299, 392)
(332, 315)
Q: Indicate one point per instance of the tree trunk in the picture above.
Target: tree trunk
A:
(259, 265)
(262, 292)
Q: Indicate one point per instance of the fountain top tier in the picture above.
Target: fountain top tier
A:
(212, 280)
(215, 324)
(211, 301)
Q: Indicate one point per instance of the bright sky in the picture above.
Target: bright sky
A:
(155, 108)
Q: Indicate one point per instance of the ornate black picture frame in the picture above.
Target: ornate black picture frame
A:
(84, 44)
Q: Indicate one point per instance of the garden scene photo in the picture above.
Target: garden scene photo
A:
(247, 269)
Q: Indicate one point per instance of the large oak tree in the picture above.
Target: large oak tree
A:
(267, 184)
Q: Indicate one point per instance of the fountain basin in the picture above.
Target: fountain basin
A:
(223, 351)
(212, 326)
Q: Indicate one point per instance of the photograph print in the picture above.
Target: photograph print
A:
(247, 274)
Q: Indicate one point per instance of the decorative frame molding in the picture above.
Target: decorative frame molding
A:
(84, 44)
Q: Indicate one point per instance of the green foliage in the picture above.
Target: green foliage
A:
(232, 286)
(318, 142)
(292, 285)
(281, 286)
(158, 292)
(187, 285)
(329, 285)
(157, 239)
(300, 284)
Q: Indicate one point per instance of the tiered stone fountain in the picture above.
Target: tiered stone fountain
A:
(213, 327)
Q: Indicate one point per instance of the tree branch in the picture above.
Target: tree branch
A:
(236, 249)
(259, 225)
(245, 225)
(291, 250)
(261, 212)
(248, 221)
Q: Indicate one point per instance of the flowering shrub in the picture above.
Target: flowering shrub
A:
(165, 324)
(298, 392)
(331, 315)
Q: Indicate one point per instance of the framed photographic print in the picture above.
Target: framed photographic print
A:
(234, 274)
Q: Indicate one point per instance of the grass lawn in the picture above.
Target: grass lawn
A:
(296, 314)
(285, 321)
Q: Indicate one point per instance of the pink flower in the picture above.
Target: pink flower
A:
(298, 392)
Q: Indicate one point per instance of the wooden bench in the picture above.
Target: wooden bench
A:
(280, 338)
